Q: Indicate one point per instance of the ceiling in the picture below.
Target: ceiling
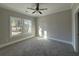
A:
(22, 7)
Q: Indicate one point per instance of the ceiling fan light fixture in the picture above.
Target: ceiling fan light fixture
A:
(37, 9)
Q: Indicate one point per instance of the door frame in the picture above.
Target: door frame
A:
(75, 29)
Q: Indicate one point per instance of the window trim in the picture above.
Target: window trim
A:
(22, 21)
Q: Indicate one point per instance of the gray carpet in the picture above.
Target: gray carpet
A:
(38, 47)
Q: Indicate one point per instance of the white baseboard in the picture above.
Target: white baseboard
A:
(9, 43)
(51, 38)
(63, 41)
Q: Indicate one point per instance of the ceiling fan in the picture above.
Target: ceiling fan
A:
(37, 9)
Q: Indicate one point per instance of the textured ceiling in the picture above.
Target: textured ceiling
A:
(22, 7)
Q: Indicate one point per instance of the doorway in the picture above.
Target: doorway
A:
(76, 30)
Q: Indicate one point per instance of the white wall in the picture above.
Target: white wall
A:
(58, 25)
(5, 25)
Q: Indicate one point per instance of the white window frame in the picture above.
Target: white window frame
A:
(22, 21)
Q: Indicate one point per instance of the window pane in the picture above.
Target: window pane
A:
(27, 28)
(19, 26)
(15, 26)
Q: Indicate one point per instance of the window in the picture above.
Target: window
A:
(40, 31)
(20, 26)
(27, 28)
(15, 24)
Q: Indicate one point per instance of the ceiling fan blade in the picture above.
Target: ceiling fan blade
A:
(31, 8)
(43, 9)
(33, 12)
(40, 12)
